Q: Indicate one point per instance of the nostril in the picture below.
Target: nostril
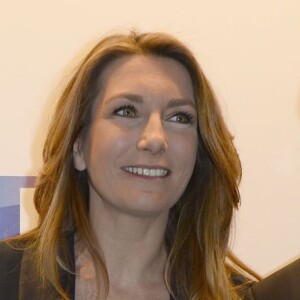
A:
(153, 143)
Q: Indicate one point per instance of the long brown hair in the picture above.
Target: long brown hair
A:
(199, 224)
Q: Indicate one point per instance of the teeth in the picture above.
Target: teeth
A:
(146, 171)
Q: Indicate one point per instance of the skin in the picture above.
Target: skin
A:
(144, 120)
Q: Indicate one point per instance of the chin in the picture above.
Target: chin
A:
(147, 208)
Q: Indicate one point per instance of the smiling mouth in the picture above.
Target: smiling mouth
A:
(149, 172)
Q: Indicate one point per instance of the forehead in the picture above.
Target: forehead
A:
(128, 63)
(142, 72)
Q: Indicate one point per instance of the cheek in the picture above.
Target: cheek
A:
(187, 148)
(107, 143)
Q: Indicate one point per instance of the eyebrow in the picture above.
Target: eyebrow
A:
(131, 97)
(181, 102)
(139, 99)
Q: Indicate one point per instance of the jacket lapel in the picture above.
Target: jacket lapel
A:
(32, 287)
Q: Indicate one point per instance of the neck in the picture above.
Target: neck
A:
(133, 246)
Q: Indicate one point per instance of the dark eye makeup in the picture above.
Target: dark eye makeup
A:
(130, 111)
(183, 117)
(127, 110)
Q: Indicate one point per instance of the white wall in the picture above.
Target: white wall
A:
(250, 51)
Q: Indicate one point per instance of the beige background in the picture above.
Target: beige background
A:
(250, 51)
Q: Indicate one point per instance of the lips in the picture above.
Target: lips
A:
(149, 172)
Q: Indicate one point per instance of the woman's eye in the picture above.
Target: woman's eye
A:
(128, 111)
(182, 118)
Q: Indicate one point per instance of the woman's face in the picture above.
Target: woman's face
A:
(141, 146)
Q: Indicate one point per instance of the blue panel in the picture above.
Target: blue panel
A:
(10, 188)
(9, 221)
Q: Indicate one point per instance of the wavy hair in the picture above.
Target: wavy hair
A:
(198, 228)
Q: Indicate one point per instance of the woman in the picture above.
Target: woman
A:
(139, 183)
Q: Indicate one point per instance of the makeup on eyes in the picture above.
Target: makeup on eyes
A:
(131, 106)
(130, 111)
(126, 110)
(186, 117)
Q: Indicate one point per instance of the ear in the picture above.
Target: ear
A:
(78, 157)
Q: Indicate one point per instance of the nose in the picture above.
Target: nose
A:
(153, 138)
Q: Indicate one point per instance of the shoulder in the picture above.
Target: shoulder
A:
(10, 267)
(281, 285)
(10, 256)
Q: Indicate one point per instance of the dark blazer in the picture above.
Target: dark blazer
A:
(281, 285)
(19, 280)
(18, 275)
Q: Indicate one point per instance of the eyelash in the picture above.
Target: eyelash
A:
(189, 117)
(130, 107)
